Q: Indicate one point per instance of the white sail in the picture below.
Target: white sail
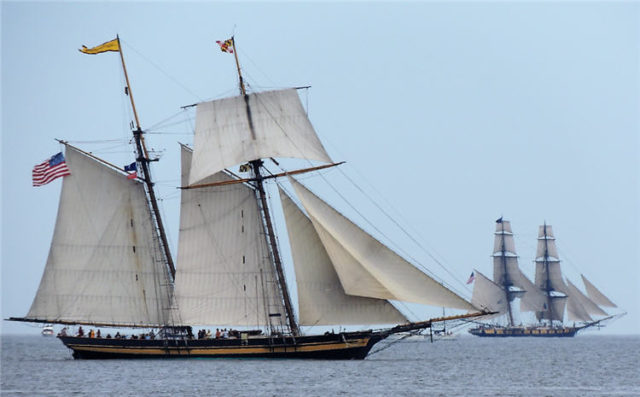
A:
(595, 294)
(552, 281)
(279, 128)
(579, 306)
(489, 295)
(104, 266)
(503, 240)
(546, 242)
(401, 279)
(224, 276)
(547, 260)
(587, 303)
(321, 298)
(556, 313)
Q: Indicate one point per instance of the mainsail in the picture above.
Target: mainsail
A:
(224, 275)
(355, 254)
(104, 266)
(234, 130)
(321, 297)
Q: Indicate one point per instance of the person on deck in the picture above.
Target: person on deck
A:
(80, 331)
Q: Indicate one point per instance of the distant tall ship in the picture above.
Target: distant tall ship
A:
(550, 297)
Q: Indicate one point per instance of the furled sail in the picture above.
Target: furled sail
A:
(399, 279)
(321, 298)
(547, 258)
(224, 275)
(234, 130)
(104, 267)
(506, 271)
(595, 294)
(489, 295)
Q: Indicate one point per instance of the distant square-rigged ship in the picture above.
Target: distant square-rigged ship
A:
(548, 297)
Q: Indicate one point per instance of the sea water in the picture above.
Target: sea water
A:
(587, 365)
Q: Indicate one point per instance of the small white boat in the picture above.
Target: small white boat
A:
(47, 330)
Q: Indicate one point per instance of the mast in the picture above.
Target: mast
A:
(506, 283)
(143, 159)
(264, 208)
(548, 280)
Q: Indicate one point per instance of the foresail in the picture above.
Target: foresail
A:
(400, 278)
(321, 298)
(595, 294)
(104, 266)
(589, 306)
(228, 134)
(577, 304)
(489, 295)
(224, 276)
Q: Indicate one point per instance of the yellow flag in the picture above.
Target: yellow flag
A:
(104, 47)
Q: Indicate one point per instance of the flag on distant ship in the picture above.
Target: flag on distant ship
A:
(226, 46)
(472, 277)
(50, 169)
(499, 220)
(112, 45)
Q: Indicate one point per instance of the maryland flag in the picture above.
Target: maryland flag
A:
(226, 46)
(104, 47)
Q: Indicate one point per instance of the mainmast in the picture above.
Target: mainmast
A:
(264, 208)
(143, 159)
(548, 279)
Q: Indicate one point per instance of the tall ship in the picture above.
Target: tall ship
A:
(110, 265)
(561, 309)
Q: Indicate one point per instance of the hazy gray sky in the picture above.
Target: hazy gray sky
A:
(449, 114)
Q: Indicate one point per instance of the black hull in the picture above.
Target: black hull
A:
(524, 332)
(344, 346)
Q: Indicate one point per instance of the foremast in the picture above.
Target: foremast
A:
(264, 208)
(505, 281)
(143, 159)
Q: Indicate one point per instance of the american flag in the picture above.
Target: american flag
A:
(50, 169)
(471, 278)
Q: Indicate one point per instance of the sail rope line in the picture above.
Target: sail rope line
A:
(397, 247)
(184, 87)
(390, 217)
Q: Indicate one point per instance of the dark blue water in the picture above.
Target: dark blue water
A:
(587, 365)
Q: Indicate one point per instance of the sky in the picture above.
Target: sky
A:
(449, 115)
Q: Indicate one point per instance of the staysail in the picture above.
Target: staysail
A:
(224, 275)
(489, 295)
(595, 294)
(104, 266)
(321, 298)
(389, 275)
(233, 130)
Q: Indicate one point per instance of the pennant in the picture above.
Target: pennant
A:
(499, 220)
(104, 47)
(131, 167)
(50, 169)
(471, 278)
(226, 46)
